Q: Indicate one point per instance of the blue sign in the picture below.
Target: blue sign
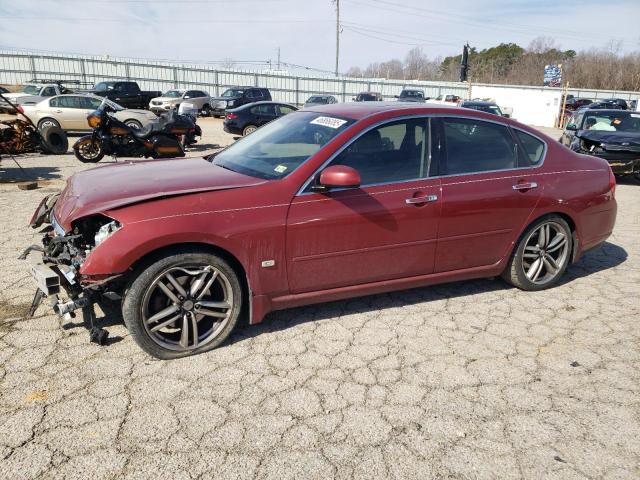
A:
(552, 75)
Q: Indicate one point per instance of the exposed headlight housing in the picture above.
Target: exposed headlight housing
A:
(105, 231)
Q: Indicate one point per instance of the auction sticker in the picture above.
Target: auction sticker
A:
(281, 168)
(328, 122)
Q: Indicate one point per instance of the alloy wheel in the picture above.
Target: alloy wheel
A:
(89, 150)
(545, 253)
(186, 307)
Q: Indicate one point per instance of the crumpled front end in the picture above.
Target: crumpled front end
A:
(63, 254)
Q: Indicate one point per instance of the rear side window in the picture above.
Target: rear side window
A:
(477, 146)
(533, 148)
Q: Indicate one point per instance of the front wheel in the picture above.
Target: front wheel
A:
(206, 111)
(182, 304)
(541, 256)
(89, 152)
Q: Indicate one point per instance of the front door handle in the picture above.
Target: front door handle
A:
(425, 199)
(525, 186)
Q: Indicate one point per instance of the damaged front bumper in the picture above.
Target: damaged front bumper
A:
(57, 273)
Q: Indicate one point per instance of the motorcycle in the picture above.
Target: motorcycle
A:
(161, 139)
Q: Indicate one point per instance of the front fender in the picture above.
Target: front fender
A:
(86, 139)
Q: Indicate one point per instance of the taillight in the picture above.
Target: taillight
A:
(612, 183)
(20, 109)
(231, 116)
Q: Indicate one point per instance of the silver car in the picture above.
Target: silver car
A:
(70, 112)
(173, 98)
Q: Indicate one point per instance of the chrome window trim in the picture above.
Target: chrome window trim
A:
(301, 191)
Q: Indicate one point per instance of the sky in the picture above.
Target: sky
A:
(305, 30)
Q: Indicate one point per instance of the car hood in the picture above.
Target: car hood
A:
(110, 187)
(621, 140)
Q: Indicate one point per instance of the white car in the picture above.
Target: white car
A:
(70, 112)
(173, 98)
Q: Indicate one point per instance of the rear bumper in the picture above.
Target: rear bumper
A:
(232, 129)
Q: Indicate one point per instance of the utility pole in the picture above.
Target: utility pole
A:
(278, 58)
(337, 2)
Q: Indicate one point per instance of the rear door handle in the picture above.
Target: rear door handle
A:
(425, 199)
(525, 186)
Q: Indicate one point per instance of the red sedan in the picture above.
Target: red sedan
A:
(323, 204)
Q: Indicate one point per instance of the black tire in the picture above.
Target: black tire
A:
(206, 111)
(529, 246)
(249, 129)
(87, 154)
(144, 299)
(47, 123)
(131, 123)
(55, 140)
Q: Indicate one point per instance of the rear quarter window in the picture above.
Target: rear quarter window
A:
(533, 149)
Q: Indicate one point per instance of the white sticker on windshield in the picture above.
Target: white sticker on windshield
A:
(281, 168)
(328, 122)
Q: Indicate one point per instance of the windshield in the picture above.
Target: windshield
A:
(233, 92)
(612, 122)
(322, 100)
(411, 93)
(172, 94)
(367, 97)
(278, 148)
(31, 90)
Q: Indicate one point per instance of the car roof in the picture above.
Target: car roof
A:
(604, 110)
(263, 102)
(360, 110)
(412, 89)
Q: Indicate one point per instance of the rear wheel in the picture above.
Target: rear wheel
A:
(542, 255)
(55, 140)
(182, 304)
(248, 130)
(89, 152)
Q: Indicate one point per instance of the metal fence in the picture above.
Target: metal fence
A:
(21, 67)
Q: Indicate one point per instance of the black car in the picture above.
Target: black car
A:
(621, 102)
(602, 104)
(368, 97)
(411, 95)
(235, 97)
(488, 107)
(320, 100)
(248, 118)
(612, 134)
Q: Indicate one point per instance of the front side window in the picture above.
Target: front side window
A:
(277, 149)
(48, 92)
(477, 146)
(393, 152)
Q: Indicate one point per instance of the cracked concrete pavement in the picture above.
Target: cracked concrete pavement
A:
(472, 380)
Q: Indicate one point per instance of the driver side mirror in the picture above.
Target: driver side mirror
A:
(337, 176)
(571, 126)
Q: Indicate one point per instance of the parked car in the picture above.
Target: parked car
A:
(368, 97)
(574, 103)
(603, 104)
(32, 93)
(613, 135)
(447, 99)
(70, 113)
(323, 204)
(489, 107)
(248, 118)
(621, 102)
(237, 96)
(173, 98)
(411, 95)
(127, 94)
(4, 90)
(320, 100)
